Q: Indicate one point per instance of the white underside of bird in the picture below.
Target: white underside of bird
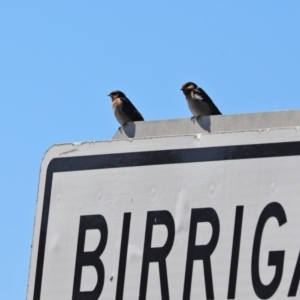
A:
(119, 114)
(198, 107)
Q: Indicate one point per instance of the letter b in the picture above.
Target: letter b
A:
(91, 258)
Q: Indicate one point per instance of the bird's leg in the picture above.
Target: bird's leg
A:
(194, 118)
(121, 127)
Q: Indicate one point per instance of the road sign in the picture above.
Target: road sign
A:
(211, 216)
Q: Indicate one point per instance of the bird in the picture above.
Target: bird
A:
(200, 104)
(123, 109)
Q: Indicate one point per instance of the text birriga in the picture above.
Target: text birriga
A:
(194, 253)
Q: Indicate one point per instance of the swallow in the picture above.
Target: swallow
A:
(123, 109)
(200, 104)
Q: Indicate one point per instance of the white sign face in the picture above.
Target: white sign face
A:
(215, 216)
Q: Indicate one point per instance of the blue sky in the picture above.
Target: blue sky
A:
(59, 60)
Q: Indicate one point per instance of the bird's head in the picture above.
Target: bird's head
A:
(188, 87)
(116, 94)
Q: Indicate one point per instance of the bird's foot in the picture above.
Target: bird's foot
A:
(121, 127)
(195, 119)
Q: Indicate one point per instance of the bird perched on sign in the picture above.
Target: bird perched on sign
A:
(123, 109)
(198, 101)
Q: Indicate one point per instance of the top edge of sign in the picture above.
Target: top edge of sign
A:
(206, 127)
(210, 124)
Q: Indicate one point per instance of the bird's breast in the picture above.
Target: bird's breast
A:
(116, 103)
(198, 107)
(121, 117)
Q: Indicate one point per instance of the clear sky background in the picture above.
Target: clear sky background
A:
(59, 60)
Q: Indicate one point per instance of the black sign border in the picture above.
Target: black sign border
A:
(148, 158)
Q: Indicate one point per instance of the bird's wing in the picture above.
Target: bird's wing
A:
(129, 109)
(201, 95)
